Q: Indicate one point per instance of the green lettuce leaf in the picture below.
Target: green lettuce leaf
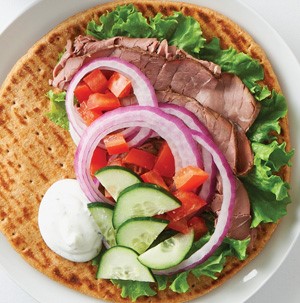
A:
(272, 109)
(213, 265)
(134, 289)
(265, 208)
(268, 193)
(126, 20)
(246, 68)
(58, 113)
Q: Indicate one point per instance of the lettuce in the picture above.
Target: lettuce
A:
(134, 289)
(246, 68)
(126, 20)
(268, 193)
(57, 113)
(213, 265)
(272, 109)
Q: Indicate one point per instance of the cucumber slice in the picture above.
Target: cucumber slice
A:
(169, 252)
(121, 263)
(102, 214)
(116, 178)
(143, 200)
(139, 233)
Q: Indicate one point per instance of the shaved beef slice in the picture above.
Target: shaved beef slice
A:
(198, 79)
(241, 220)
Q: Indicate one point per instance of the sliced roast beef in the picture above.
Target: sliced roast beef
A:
(241, 220)
(167, 68)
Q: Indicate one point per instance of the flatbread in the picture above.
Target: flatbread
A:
(35, 153)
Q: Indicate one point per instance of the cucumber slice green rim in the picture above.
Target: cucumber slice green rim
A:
(139, 233)
(143, 200)
(116, 178)
(121, 263)
(100, 204)
(169, 252)
(102, 213)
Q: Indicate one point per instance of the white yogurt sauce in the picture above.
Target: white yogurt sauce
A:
(66, 224)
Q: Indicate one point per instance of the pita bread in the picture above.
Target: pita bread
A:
(35, 153)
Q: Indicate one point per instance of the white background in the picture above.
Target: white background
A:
(284, 286)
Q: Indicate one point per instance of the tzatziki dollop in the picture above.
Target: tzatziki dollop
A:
(66, 224)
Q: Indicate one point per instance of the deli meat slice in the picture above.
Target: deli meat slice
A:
(167, 68)
(241, 220)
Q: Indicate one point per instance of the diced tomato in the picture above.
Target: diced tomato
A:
(154, 177)
(119, 85)
(103, 102)
(165, 164)
(140, 158)
(99, 159)
(96, 81)
(180, 225)
(87, 115)
(191, 203)
(82, 92)
(199, 226)
(115, 144)
(190, 178)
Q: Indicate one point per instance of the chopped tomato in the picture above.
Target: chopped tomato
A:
(96, 81)
(119, 85)
(154, 177)
(140, 158)
(190, 203)
(82, 92)
(115, 144)
(103, 102)
(190, 178)
(165, 164)
(99, 159)
(88, 115)
(180, 225)
(199, 226)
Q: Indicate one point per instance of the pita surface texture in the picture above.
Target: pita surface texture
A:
(35, 152)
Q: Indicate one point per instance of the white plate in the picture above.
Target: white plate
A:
(37, 21)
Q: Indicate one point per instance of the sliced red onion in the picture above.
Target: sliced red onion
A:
(141, 85)
(170, 128)
(225, 214)
(140, 138)
(186, 116)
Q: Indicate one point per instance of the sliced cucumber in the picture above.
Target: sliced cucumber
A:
(169, 252)
(139, 233)
(102, 214)
(143, 200)
(116, 178)
(121, 263)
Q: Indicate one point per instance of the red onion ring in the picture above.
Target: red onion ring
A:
(170, 128)
(141, 85)
(225, 214)
(143, 135)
